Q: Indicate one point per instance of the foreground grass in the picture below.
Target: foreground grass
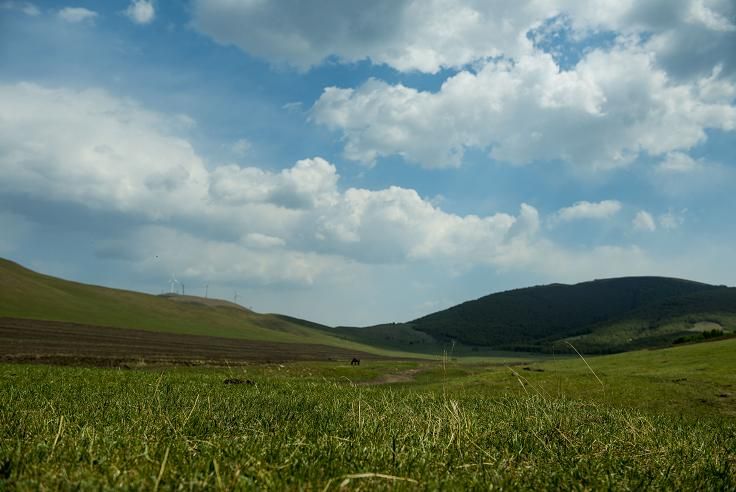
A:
(69, 428)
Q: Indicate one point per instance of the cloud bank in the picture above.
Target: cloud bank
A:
(613, 106)
(226, 221)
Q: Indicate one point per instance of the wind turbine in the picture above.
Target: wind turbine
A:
(235, 297)
(172, 283)
(206, 289)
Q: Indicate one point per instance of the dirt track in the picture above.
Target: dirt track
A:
(57, 342)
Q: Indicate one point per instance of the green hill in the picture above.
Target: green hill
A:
(30, 295)
(533, 318)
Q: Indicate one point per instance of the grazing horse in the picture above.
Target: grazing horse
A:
(355, 362)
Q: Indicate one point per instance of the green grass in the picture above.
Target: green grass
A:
(316, 426)
(91, 428)
(696, 380)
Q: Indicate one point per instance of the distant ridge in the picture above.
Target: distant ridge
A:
(534, 317)
(204, 301)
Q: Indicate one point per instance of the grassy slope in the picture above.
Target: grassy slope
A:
(30, 295)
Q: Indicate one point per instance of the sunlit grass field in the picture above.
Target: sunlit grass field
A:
(416, 425)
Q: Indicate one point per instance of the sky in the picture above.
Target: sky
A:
(355, 162)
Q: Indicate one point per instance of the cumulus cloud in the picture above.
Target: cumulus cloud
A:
(310, 183)
(405, 34)
(643, 221)
(90, 148)
(292, 226)
(655, 91)
(141, 11)
(614, 105)
(76, 14)
(667, 79)
(587, 210)
(396, 224)
(686, 35)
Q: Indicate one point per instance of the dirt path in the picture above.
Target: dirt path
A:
(406, 376)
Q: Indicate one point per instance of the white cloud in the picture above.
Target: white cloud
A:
(77, 14)
(422, 35)
(196, 257)
(294, 226)
(643, 221)
(611, 107)
(672, 220)
(90, 148)
(310, 183)
(97, 151)
(141, 11)
(396, 224)
(587, 210)
(678, 162)
(26, 7)
(427, 35)
(667, 80)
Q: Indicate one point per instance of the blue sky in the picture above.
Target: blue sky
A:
(357, 163)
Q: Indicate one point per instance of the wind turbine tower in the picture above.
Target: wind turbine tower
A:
(172, 284)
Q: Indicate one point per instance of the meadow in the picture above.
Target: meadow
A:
(642, 420)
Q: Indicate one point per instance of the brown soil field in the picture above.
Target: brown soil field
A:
(57, 342)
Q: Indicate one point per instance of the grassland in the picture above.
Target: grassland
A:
(322, 426)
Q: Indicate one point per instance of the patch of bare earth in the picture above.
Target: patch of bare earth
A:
(702, 326)
(57, 342)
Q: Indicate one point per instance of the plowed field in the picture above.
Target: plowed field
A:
(24, 340)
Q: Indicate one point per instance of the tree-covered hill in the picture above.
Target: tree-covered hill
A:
(536, 316)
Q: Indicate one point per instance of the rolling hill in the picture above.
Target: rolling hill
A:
(30, 295)
(602, 315)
